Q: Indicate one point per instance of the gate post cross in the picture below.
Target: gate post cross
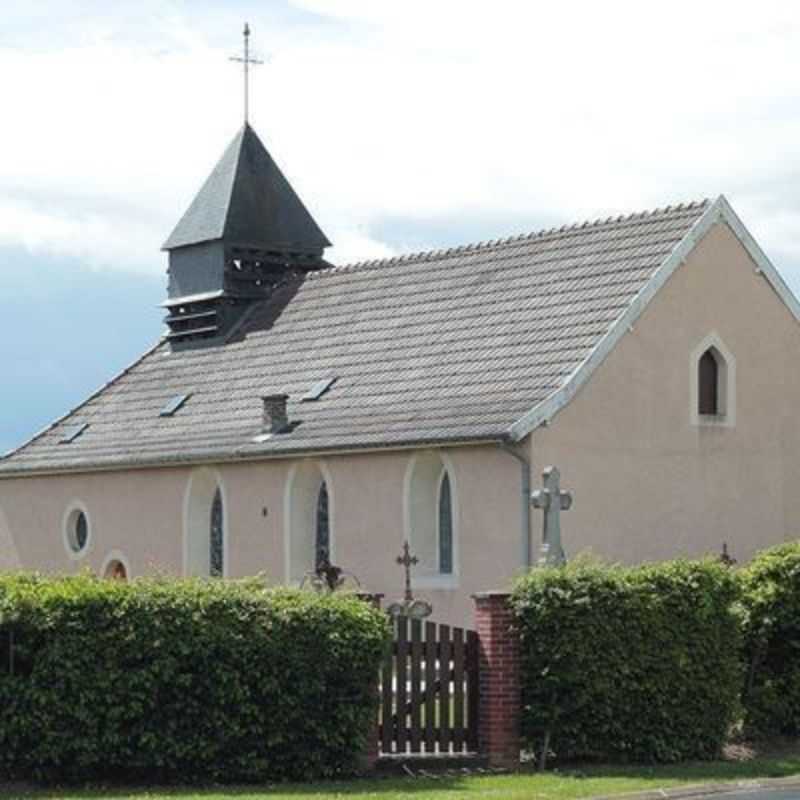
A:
(552, 500)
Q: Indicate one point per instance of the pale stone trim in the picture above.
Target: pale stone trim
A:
(726, 389)
(719, 211)
(73, 508)
(215, 478)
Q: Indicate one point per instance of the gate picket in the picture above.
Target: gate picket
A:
(430, 687)
(416, 680)
(458, 689)
(473, 689)
(444, 688)
(401, 679)
(387, 731)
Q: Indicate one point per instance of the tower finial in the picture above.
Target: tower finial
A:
(246, 61)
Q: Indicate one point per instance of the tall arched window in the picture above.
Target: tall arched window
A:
(445, 526)
(432, 519)
(708, 383)
(310, 518)
(322, 545)
(216, 537)
(204, 525)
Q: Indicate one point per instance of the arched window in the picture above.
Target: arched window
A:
(115, 571)
(204, 525)
(708, 383)
(216, 537)
(432, 520)
(322, 547)
(445, 526)
(310, 519)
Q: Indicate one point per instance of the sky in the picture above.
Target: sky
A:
(403, 126)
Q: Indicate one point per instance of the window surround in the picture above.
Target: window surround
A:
(445, 581)
(116, 555)
(74, 508)
(197, 501)
(308, 471)
(726, 384)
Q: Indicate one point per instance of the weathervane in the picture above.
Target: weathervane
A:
(416, 609)
(246, 61)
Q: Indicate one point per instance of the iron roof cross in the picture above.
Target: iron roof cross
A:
(552, 500)
(246, 61)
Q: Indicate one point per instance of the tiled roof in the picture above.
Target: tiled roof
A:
(447, 346)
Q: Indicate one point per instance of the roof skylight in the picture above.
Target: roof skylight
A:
(71, 432)
(318, 389)
(173, 405)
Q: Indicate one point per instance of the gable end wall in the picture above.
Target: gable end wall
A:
(647, 483)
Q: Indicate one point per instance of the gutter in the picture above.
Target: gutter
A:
(525, 504)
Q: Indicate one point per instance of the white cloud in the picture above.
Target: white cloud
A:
(408, 110)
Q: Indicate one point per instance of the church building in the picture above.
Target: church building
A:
(296, 411)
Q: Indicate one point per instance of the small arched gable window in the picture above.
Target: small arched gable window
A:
(323, 534)
(445, 526)
(216, 558)
(708, 383)
(713, 383)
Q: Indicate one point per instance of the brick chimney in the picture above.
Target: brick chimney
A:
(276, 420)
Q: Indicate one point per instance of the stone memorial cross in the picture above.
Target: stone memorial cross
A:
(552, 500)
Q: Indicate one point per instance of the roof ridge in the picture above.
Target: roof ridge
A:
(488, 244)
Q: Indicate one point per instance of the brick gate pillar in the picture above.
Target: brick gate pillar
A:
(500, 700)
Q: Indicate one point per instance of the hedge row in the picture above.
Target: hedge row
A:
(639, 664)
(771, 604)
(656, 663)
(186, 680)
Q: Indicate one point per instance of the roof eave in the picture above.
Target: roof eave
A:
(236, 456)
(719, 211)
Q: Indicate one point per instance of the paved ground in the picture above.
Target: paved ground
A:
(760, 794)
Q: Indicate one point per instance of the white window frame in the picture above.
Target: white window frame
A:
(70, 515)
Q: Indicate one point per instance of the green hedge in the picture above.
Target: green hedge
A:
(771, 599)
(189, 680)
(639, 664)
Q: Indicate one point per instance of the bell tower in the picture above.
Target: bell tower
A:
(245, 233)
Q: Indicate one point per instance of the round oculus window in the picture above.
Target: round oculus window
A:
(77, 531)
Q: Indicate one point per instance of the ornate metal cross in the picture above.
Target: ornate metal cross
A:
(246, 61)
(407, 561)
(415, 609)
(552, 500)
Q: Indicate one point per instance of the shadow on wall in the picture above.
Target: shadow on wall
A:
(9, 557)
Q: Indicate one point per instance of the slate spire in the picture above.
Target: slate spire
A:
(247, 201)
